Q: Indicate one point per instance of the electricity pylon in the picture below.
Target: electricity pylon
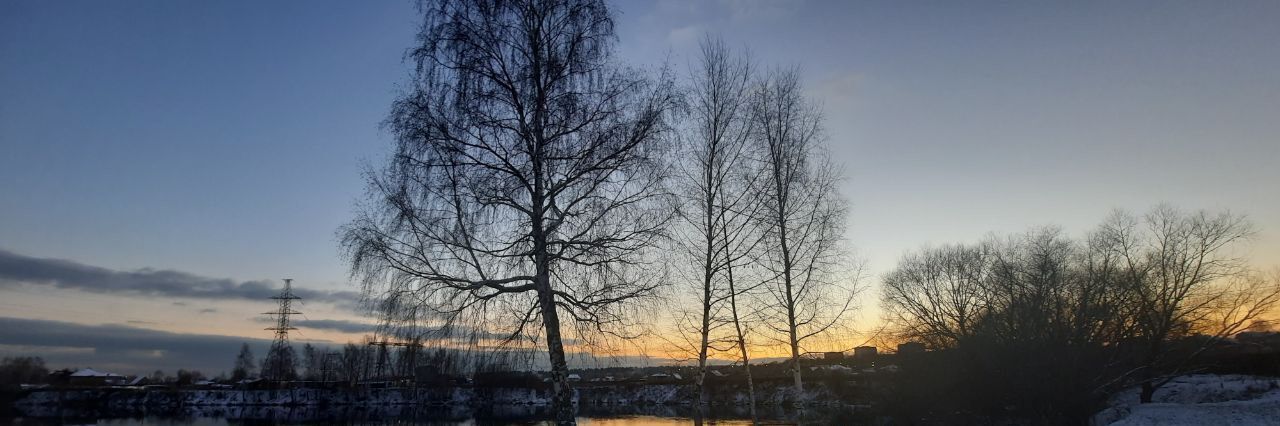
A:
(278, 364)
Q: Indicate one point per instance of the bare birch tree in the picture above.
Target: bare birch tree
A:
(803, 217)
(716, 188)
(526, 183)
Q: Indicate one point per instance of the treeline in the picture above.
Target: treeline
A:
(353, 364)
(15, 371)
(31, 370)
(1051, 325)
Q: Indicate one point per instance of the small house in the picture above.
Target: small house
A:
(910, 348)
(91, 377)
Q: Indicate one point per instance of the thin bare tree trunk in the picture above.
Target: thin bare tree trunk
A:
(804, 220)
(708, 272)
(701, 377)
(742, 340)
(791, 309)
(715, 155)
(782, 193)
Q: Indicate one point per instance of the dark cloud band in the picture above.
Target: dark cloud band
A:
(336, 325)
(16, 269)
(121, 348)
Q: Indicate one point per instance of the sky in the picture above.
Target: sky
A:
(163, 164)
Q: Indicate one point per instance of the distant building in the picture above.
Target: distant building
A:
(910, 348)
(864, 352)
(91, 377)
(833, 356)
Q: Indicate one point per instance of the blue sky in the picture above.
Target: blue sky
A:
(226, 139)
(221, 138)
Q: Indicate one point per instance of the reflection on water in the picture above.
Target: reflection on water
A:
(426, 416)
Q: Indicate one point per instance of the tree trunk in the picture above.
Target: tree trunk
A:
(746, 367)
(787, 263)
(701, 377)
(710, 188)
(791, 318)
(1149, 369)
(562, 395)
(742, 340)
(795, 362)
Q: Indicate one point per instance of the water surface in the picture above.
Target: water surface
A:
(427, 416)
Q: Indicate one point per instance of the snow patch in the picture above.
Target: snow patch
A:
(1198, 400)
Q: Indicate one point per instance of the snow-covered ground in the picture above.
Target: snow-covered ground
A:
(1204, 399)
(620, 395)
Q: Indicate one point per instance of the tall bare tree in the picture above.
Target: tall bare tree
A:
(803, 218)
(1188, 276)
(716, 188)
(526, 184)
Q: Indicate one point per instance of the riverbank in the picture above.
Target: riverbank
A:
(655, 395)
(487, 405)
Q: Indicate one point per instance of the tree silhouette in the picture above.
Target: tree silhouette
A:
(803, 218)
(525, 184)
(245, 364)
(716, 181)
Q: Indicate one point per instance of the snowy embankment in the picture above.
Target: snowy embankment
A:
(656, 394)
(125, 399)
(1199, 400)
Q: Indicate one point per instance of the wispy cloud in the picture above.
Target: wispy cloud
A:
(17, 269)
